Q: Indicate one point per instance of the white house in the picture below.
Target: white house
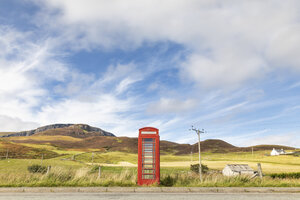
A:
(277, 152)
(237, 169)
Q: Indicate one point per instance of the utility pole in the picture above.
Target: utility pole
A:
(198, 133)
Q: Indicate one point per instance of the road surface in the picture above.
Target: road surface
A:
(147, 196)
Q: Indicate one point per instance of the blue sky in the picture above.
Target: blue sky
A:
(230, 67)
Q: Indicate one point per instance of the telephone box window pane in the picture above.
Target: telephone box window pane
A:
(148, 171)
(149, 161)
(148, 139)
(148, 166)
(148, 176)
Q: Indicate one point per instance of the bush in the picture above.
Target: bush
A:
(168, 181)
(297, 153)
(37, 169)
(286, 175)
(195, 168)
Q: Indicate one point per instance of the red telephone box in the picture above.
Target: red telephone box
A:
(148, 156)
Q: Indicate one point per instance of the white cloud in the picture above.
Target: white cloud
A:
(19, 90)
(228, 40)
(287, 139)
(167, 105)
(15, 124)
(26, 102)
(283, 49)
(74, 84)
(223, 72)
(105, 109)
(124, 85)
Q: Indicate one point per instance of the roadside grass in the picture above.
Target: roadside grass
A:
(218, 180)
(84, 176)
(83, 170)
(70, 176)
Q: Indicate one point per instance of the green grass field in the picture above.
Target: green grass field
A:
(216, 161)
(14, 173)
(76, 167)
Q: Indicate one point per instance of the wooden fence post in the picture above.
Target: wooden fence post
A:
(42, 159)
(259, 170)
(7, 154)
(48, 170)
(99, 172)
(92, 158)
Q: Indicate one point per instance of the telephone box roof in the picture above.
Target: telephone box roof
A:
(148, 128)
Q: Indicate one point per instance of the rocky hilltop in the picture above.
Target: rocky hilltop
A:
(76, 130)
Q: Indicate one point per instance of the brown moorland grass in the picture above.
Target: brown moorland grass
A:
(43, 138)
(20, 151)
(70, 138)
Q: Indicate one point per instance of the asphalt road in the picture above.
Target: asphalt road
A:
(146, 196)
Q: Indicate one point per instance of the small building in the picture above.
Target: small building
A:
(277, 152)
(237, 169)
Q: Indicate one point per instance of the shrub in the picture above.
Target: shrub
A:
(195, 168)
(168, 181)
(286, 175)
(37, 169)
(297, 153)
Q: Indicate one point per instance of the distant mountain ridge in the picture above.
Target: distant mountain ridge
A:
(79, 130)
(87, 137)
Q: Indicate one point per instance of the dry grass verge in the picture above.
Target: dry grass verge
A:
(112, 176)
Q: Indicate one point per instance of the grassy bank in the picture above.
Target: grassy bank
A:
(74, 168)
(83, 175)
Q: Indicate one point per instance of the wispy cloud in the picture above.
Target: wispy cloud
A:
(165, 106)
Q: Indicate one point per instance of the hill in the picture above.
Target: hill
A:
(86, 138)
(270, 147)
(73, 130)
